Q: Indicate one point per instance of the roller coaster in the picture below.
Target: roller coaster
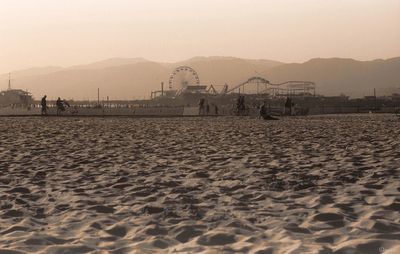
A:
(262, 86)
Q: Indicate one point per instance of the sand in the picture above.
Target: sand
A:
(323, 184)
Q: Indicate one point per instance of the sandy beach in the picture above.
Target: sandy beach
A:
(321, 184)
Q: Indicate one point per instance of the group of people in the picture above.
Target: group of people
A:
(263, 113)
(204, 107)
(240, 105)
(60, 104)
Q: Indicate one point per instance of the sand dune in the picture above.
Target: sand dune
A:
(324, 184)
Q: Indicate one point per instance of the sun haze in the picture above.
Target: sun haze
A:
(65, 32)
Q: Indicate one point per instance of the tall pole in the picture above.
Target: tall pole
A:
(98, 96)
(9, 81)
(162, 88)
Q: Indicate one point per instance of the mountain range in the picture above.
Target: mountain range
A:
(133, 78)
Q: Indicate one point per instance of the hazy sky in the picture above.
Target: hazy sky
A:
(68, 32)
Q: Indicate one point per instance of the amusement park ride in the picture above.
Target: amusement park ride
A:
(184, 80)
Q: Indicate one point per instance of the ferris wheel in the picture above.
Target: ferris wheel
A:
(182, 77)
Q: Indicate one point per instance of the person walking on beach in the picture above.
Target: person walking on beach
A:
(43, 104)
(263, 111)
(288, 106)
(240, 106)
(238, 102)
(264, 114)
(201, 106)
(216, 109)
(60, 106)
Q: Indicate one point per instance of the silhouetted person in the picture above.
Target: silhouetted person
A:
(207, 109)
(288, 106)
(216, 109)
(264, 114)
(240, 105)
(43, 104)
(201, 106)
(60, 106)
(263, 111)
(238, 101)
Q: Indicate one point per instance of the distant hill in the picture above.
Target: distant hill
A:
(129, 78)
(337, 75)
(120, 82)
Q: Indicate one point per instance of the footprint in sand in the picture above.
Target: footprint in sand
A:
(161, 244)
(369, 247)
(152, 209)
(21, 190)
(102, 209)
(328, 217)
(214, 239)
(293, 227)
(14, 229)
(327, 239)
(119, 231)
(185, 233)
(333, 219)
(7, 251)
(156, 230)
(13, 213)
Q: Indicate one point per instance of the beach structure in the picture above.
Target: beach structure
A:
(15, 97)
(185, 89)
(184, 80)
